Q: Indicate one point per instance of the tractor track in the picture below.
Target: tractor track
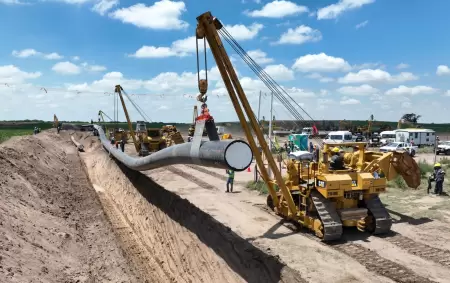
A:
(366, 257)
(424, 251)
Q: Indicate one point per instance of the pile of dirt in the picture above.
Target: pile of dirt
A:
(180, 242)
(52, 227)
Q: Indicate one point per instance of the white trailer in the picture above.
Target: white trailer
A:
(386, 137)
(418, 137)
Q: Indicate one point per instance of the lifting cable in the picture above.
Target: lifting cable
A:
(266, 79)
(137, 107)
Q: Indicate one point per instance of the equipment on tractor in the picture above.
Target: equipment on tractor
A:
(172, 135)
(146, 140)
(227, 137)
(192, 127)
(56, 123)
(314, 196)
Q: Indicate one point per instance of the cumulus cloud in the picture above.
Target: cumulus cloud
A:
(411, 91)
(259, 56)
(66, 68)
(320, 63)
(335, 10)
(104, 6)
(242, 32)
(26, 53)
(278, 9)
(319, 77)
(162, 15)
(358, 90)
(442, 70)
(279, 72)
(300, 35)
(375, 76)
(349, 101)
(10, 74)
(187, 46)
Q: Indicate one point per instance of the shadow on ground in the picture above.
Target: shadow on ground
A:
(252, 264)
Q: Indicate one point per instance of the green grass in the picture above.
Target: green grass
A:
(427, 149)
(6, 134)
(259, 186)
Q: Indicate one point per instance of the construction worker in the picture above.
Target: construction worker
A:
(311, 147)
(315, 153)
(438, 177)
(337, 160)
(286, 147)
(123, 141)
(230, 180)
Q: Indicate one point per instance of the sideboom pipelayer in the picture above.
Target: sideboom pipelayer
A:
(317, 197)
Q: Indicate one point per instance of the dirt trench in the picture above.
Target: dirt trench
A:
(52, 226)
(179, 242)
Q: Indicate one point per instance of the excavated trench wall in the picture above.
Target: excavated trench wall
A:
(187, 244)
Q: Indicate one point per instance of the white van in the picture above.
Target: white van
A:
(418, 137)
(386, 137)
(338, 137)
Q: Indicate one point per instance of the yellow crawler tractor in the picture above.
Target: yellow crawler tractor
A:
(327, 200)
(315, 196)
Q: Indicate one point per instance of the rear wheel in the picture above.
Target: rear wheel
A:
(269, 201)
(447, 152)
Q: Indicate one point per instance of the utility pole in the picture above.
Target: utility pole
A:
(270, 129)
(257, 142)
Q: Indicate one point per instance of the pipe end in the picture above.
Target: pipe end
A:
(238, 155)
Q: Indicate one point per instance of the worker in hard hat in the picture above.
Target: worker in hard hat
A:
(230, 180)
(337, 159)
(438, 177)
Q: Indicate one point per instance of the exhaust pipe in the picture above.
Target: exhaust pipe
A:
(222, 154)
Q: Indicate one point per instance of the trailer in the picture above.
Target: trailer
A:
(418, 137)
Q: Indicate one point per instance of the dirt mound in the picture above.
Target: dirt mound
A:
(184, 243)
(52, 226)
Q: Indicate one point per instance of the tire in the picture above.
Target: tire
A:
(447, 152)
(412, 153)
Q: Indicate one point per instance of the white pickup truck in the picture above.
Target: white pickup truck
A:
(400, 146)
(444, 148)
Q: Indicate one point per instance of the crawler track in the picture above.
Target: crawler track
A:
(383, 221)
(332, 226)
(368, 258)
(421, 250)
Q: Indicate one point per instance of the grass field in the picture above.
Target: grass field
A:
(5, 134)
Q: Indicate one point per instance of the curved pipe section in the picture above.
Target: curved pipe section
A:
(223, 154)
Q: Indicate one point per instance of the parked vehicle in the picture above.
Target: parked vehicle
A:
(387, 137)
(444, 148)
(400, 146)
(419, 137)
(338, 137)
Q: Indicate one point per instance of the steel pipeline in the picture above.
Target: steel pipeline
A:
(222, 154)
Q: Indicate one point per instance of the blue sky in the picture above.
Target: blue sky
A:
(339, 59)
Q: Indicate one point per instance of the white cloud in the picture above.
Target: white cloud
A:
(279, 72)
(320, 63)
(358, 90)
(404, 90)
(402, 66)
(259, 56)
(12, 2)
(162, 15)
(75, 58)
(278, 9)
(66, 68)
(25, 53)
(447, 93)
(319, 77)
(406, 104)
(349, 101)
(53, 56)
(361, 25)
(300, 35)
(442, 70)
(95, 68)
(368, 66)
(375, 76)
(334, 10)
(104, 6)
(241, 32)
(10, 74)
(187, 46)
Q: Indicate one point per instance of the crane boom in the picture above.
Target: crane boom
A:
(118, 90)
(207, 28)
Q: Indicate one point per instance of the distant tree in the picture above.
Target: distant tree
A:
(411, 118)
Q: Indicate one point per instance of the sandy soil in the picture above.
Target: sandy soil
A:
(176, 224)
(52, 227)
